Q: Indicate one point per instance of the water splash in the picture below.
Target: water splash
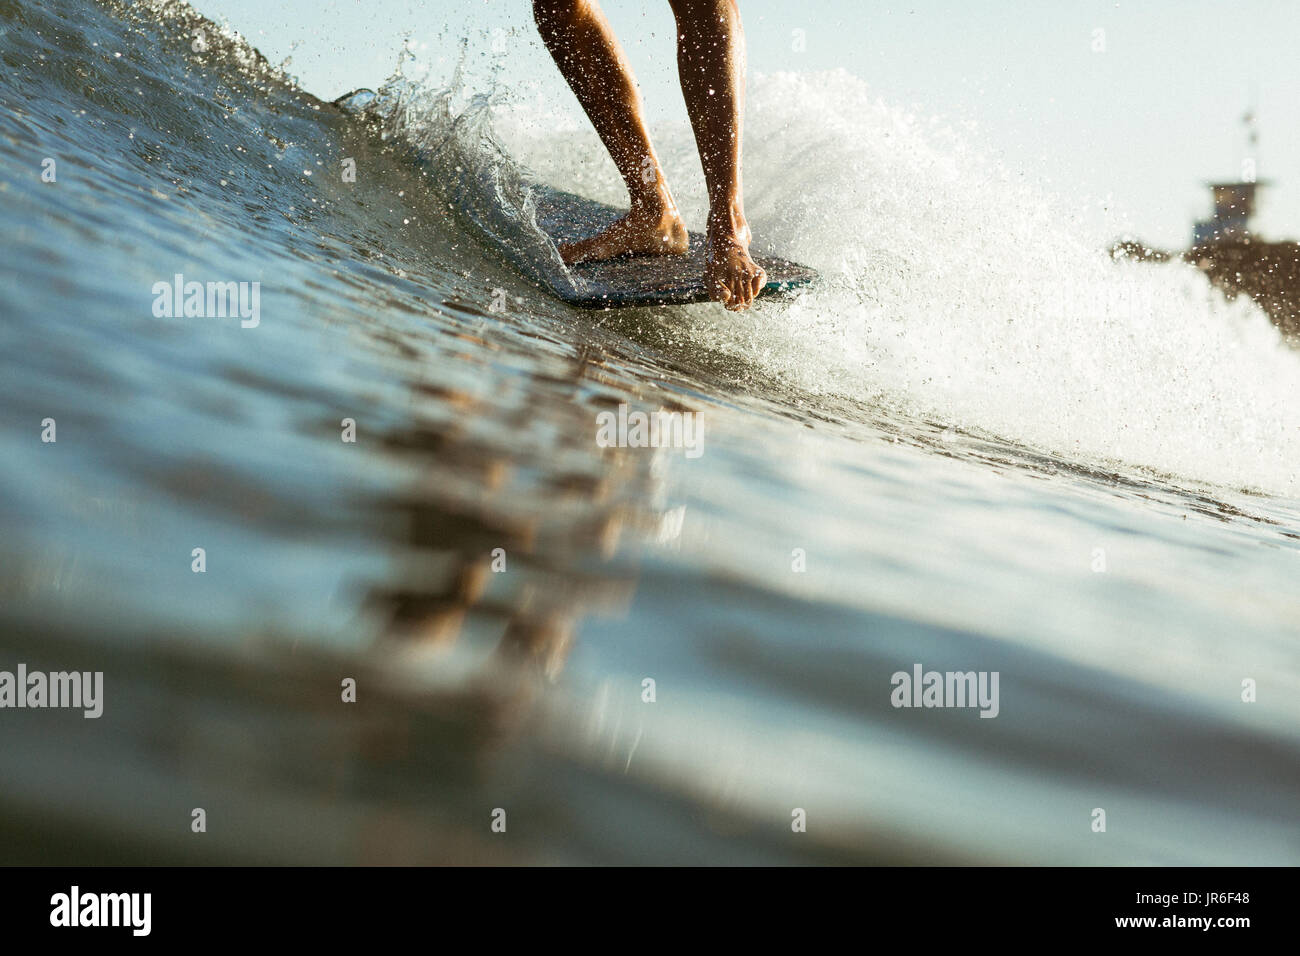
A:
(448, 133)
(953, 287)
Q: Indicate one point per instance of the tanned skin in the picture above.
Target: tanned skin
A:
(711, 66)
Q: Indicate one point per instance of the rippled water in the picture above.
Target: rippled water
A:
(975, 445)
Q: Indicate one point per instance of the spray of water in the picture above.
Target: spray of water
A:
(950, 285)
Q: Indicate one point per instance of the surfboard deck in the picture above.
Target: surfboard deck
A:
(639, 280)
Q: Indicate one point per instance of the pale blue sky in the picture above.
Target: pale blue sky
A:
(1146, 121)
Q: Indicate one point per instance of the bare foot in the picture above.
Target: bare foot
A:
(730, 275)
(644, 231)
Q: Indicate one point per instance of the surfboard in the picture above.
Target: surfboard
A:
(492, 204)
(638, 280)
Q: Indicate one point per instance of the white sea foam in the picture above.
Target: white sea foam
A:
(954, 287)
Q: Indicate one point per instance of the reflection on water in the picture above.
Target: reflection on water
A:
(639, 656)
(448, 680)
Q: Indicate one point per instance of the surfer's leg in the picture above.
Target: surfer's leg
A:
(588, 54)
(711, 65)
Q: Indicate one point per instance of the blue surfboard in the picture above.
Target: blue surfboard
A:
(638, 280)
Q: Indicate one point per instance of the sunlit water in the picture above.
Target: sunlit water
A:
(977, 444)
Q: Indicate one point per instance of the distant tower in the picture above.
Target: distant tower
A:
(1234, 203)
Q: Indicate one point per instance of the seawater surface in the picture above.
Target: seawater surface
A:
(976, 444)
